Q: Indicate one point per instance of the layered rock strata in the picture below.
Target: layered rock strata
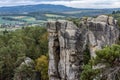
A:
(67, 43)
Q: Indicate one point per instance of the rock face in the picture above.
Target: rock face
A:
(67, 43)
(103, 31)
(25, 70)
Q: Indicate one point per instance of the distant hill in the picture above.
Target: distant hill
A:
(41, 8)
(35, 8)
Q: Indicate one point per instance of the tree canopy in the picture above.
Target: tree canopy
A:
(105, 66)
(15, 46)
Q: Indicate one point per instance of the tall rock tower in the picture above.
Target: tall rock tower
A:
(67, 43)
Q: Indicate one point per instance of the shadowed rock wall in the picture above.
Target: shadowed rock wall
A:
(67, 43)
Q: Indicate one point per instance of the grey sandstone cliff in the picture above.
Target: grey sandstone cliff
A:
(67, 43)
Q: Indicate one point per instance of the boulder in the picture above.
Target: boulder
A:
(26, 70)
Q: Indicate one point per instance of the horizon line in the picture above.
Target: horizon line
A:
(53, 4)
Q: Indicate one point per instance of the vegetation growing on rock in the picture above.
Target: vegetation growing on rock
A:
(105, 66)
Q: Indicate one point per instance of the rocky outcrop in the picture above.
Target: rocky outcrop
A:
(67, 43)
(103, 31)
(26, 70)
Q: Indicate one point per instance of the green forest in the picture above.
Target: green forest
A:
(15, 46)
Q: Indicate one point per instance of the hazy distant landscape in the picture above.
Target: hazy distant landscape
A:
(31, 15)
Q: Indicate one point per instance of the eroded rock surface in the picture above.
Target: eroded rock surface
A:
(25, 70)
(67, 43)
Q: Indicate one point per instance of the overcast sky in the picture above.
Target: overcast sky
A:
(70, 3)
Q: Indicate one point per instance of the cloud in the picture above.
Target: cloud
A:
(70, 3)
(88, 3)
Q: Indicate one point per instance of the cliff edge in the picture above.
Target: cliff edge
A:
(67, 43)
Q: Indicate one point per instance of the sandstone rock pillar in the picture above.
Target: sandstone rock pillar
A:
(65, 50)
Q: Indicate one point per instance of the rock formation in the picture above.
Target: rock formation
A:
(25, 70)
(67, 43)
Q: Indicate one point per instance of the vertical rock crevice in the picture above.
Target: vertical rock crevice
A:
(57, 55)
(67, 43)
